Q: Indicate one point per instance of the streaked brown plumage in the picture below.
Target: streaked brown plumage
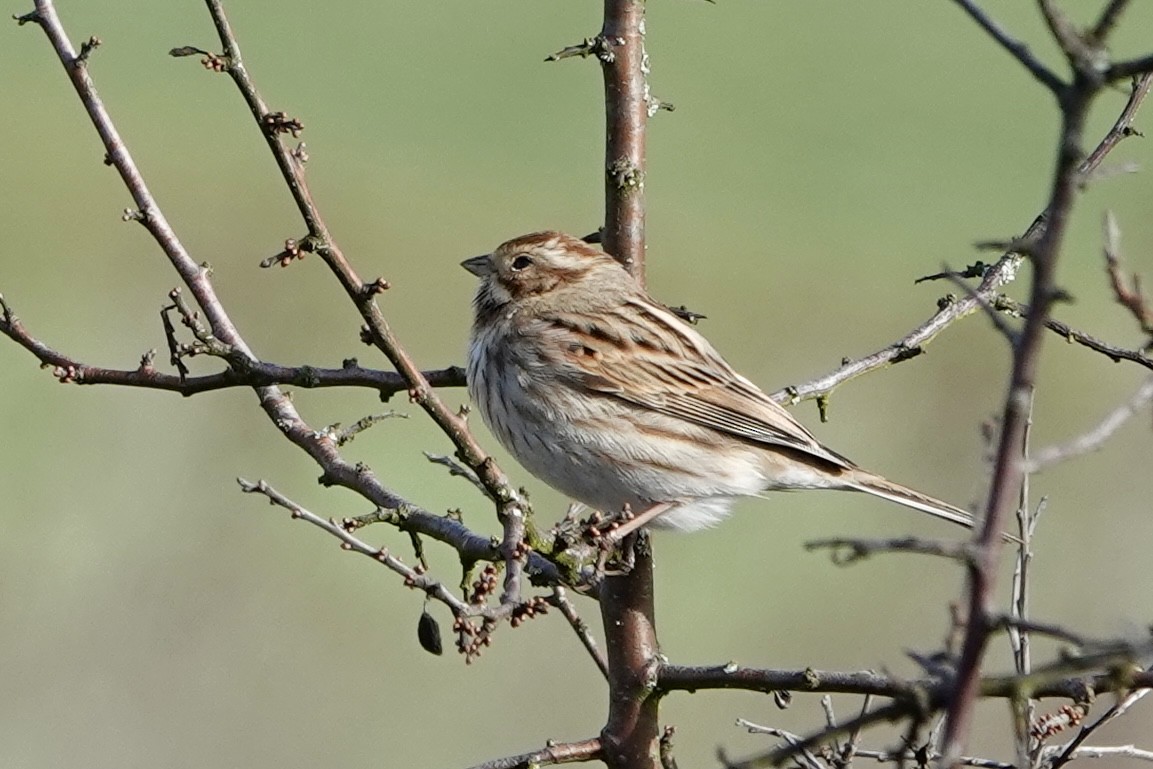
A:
(608, 397)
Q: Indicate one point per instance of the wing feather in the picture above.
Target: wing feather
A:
(647, 356)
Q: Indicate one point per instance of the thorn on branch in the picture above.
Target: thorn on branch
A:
(591, 46)
(32, 17)
(975, 270)
(174, 354)
(1025, 246)
(656, 105)
(906, 353)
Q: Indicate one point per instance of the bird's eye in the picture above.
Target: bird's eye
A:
(521, 262)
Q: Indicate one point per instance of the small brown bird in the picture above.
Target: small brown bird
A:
(607, 396)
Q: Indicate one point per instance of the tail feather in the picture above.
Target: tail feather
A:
(903, 495)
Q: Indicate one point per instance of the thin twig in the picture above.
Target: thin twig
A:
(512, 508)
(1130, 297)
(1019, 50)
(412, 578)
(1107, 21)
(1002, 272)
(1070, 334)
(1066, 678)
(559, 599)
(1009, 469)
(845, 551)
(1061, 755)
(279, 408)
(1096, 437)
(805, 756)
(552, 753)
(456, 469)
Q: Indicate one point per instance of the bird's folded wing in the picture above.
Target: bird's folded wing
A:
(690, 381)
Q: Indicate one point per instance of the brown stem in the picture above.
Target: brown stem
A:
(630, 736)
(624, 64)
(1009, 467)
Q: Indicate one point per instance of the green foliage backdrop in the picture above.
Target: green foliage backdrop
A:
(822, 155)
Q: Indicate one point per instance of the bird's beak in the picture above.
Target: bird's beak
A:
(478, 265)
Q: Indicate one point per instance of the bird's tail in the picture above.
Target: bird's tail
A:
(903, 495)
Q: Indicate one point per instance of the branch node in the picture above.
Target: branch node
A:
(280, 123)
(86, 49)
(378, 286)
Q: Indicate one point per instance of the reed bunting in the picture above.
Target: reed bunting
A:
(606, 395)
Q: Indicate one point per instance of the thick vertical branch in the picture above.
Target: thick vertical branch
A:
(629, 739)
(630, 735)
(1010, 465)
(625, 66)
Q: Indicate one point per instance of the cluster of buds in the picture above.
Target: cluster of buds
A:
(528, 610)
(485, 584)
(471, 639)
(1051, 724)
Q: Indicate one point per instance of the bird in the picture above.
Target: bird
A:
(606, 395)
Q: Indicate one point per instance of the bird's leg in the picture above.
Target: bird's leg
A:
(638, 520)
(622, 533)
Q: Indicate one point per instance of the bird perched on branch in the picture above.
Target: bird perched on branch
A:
(606, 395)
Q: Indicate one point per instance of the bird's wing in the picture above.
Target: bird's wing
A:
(643, 354)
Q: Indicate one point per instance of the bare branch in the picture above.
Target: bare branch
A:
(950, 310)
(512, 509)
(1130, 297)
(248, 373)
(1070, 334)
(1061, 755)
(1132, 68)
(847, 551)
(412, 577)
(1015, 47)
(1107, 20)
(1095, 438)
(559, 599)
(1067, 678)
(1009, 469)
(625, 65)
(552, 753)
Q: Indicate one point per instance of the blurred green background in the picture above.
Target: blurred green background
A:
(821, 157)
